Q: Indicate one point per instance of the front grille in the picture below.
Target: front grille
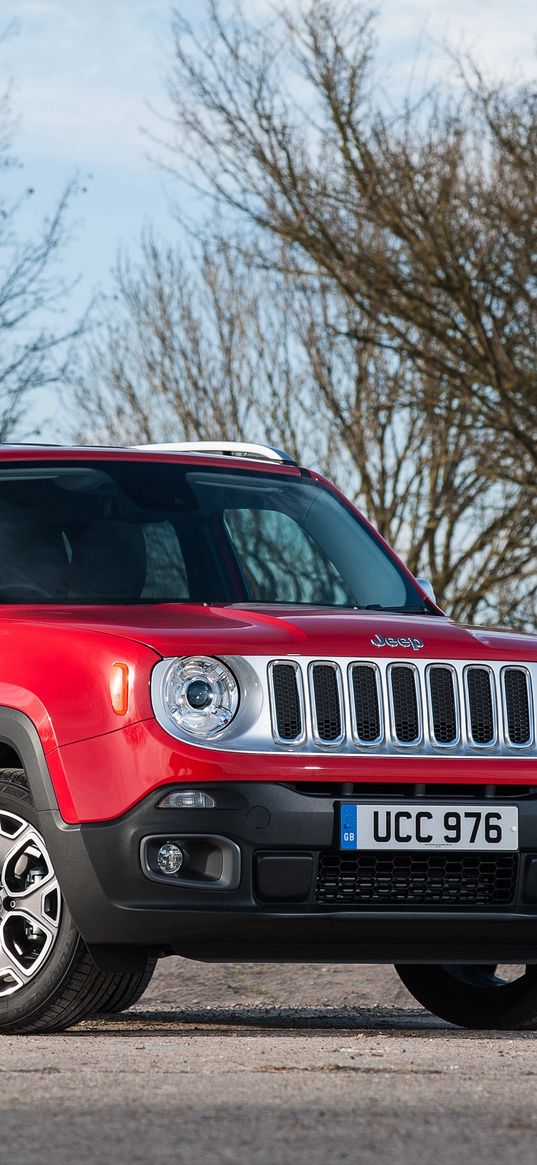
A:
(286, 701)
(416, 879)
(443, 706)
(392, 706)
(517, 705)
(405, 703)
(480, 704)
(326, 701)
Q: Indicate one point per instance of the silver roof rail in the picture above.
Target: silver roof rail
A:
(228, 448)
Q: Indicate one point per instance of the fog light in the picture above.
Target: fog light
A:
(188, 799)
(170, 858)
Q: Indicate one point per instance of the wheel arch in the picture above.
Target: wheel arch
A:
(19, 735)
(71, 862)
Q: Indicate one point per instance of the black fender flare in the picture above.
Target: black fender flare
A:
(76, 875)
(20, 733)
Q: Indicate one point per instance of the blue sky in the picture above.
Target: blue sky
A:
(89, 78)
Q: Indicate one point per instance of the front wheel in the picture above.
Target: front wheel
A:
(485, 997)
(48, 980)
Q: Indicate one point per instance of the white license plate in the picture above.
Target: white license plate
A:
(428, 827)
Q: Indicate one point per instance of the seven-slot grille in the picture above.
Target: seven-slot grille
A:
(347, 705)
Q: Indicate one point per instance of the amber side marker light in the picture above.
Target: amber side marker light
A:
(119, 688)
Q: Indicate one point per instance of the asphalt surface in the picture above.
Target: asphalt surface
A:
(270, 1066)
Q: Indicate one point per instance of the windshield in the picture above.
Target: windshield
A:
(107, 532)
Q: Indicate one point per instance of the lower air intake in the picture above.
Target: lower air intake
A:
(412, 879)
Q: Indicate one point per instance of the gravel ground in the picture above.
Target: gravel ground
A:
(270, 1065)
(179, 982)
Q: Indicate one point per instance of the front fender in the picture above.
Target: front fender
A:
(59, 677)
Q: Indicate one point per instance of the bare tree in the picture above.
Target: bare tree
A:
(411, 449)
(33, 349)
(191, 347)
(425, 219)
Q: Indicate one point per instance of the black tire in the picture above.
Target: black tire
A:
(125, 990)
(475, 996)
(60, 985)
(14, 777)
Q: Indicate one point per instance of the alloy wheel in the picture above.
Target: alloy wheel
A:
(30, 903)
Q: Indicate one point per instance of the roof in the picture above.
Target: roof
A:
(251, 455)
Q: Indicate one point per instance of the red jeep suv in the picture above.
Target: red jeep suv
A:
(234, 726)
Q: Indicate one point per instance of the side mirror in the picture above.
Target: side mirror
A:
(427, 586)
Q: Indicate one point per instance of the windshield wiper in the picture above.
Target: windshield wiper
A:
(405, 610)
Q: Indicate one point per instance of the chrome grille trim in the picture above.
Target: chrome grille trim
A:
(473, 669)
(513, 667)
(313, 670)
(447, 667)
(426, 742)
(253, 728)
(285, 740)
(360, 740)
(396, 711)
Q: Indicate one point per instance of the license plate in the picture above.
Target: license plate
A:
(428, 827)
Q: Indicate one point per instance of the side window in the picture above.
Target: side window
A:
(166, 575)
(281, 562)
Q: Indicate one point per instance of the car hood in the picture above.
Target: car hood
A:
(260, 629)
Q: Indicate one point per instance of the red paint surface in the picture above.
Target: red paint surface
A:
(185, 628)
(102, 778)
(60, 676)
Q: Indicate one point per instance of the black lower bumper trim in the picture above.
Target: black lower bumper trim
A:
(413, 879)
(116, 905)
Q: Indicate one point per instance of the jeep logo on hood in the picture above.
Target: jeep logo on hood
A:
(380, 641)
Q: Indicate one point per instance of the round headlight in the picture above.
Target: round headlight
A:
(200, 695)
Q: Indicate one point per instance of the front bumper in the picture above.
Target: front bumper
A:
(269, 910)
